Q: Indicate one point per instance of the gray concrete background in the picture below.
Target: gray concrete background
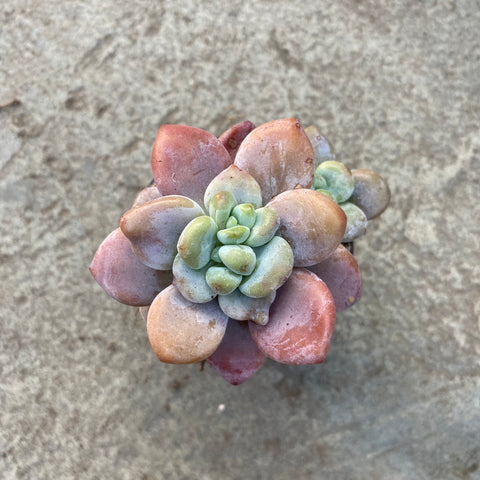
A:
(84, 87)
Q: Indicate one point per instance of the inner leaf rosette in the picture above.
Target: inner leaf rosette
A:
(233, 249)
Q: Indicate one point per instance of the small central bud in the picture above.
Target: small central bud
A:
(245, 214)
(232, 222)
(234, 235)
(238, 258)
(214, 256)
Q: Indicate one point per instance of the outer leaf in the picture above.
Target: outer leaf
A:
(279, 156)
(186, 159)
(154, 228)
(121, 274)
(370, 193)
(238, 357)
(181, 331)
(301, 321)
(342, 275)
(312, 224)
(234, 136)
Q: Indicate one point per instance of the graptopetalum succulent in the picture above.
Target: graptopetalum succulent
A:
(235, 253)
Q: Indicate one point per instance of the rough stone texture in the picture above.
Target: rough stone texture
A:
(84, 87)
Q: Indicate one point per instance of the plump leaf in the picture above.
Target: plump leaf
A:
(356, 222)
(233, 235)
(274, 265)
(240, 259)
(341, 273)
(240, 184)
(123, 276)
(186, 159)
(222, 280)
(244, 214)
(197, 241)
(265, 226)
(301, 321)
(184, 332)
(192, 283)
(336, 178)
(240, 307)
(312, 224)
(321, 147)
(146, 195)
(279, 156)
(370, 192)
(154, 227)
(220, 207)
(238, 357)
(234, 136)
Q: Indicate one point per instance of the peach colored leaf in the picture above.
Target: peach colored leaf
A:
(311, 223)
(186, 159)
(184, 332)
(279, 156)
(301, 321)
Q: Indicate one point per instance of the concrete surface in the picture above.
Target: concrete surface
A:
(84, 87)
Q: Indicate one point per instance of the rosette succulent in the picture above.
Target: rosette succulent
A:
(235, 252)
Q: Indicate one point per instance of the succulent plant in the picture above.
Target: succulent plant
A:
(235, 252)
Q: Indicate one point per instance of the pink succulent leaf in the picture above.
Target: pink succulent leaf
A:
(145, 195)
(121, 274)
(341, 273)
(184, 332)
(279, 156)
(300, 323)
(186, 159)
(153, 228)
(321, 147)
(311, 223)
(234, 136)
(238, 357)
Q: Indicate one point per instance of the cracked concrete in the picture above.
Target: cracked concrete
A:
(84, 87)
